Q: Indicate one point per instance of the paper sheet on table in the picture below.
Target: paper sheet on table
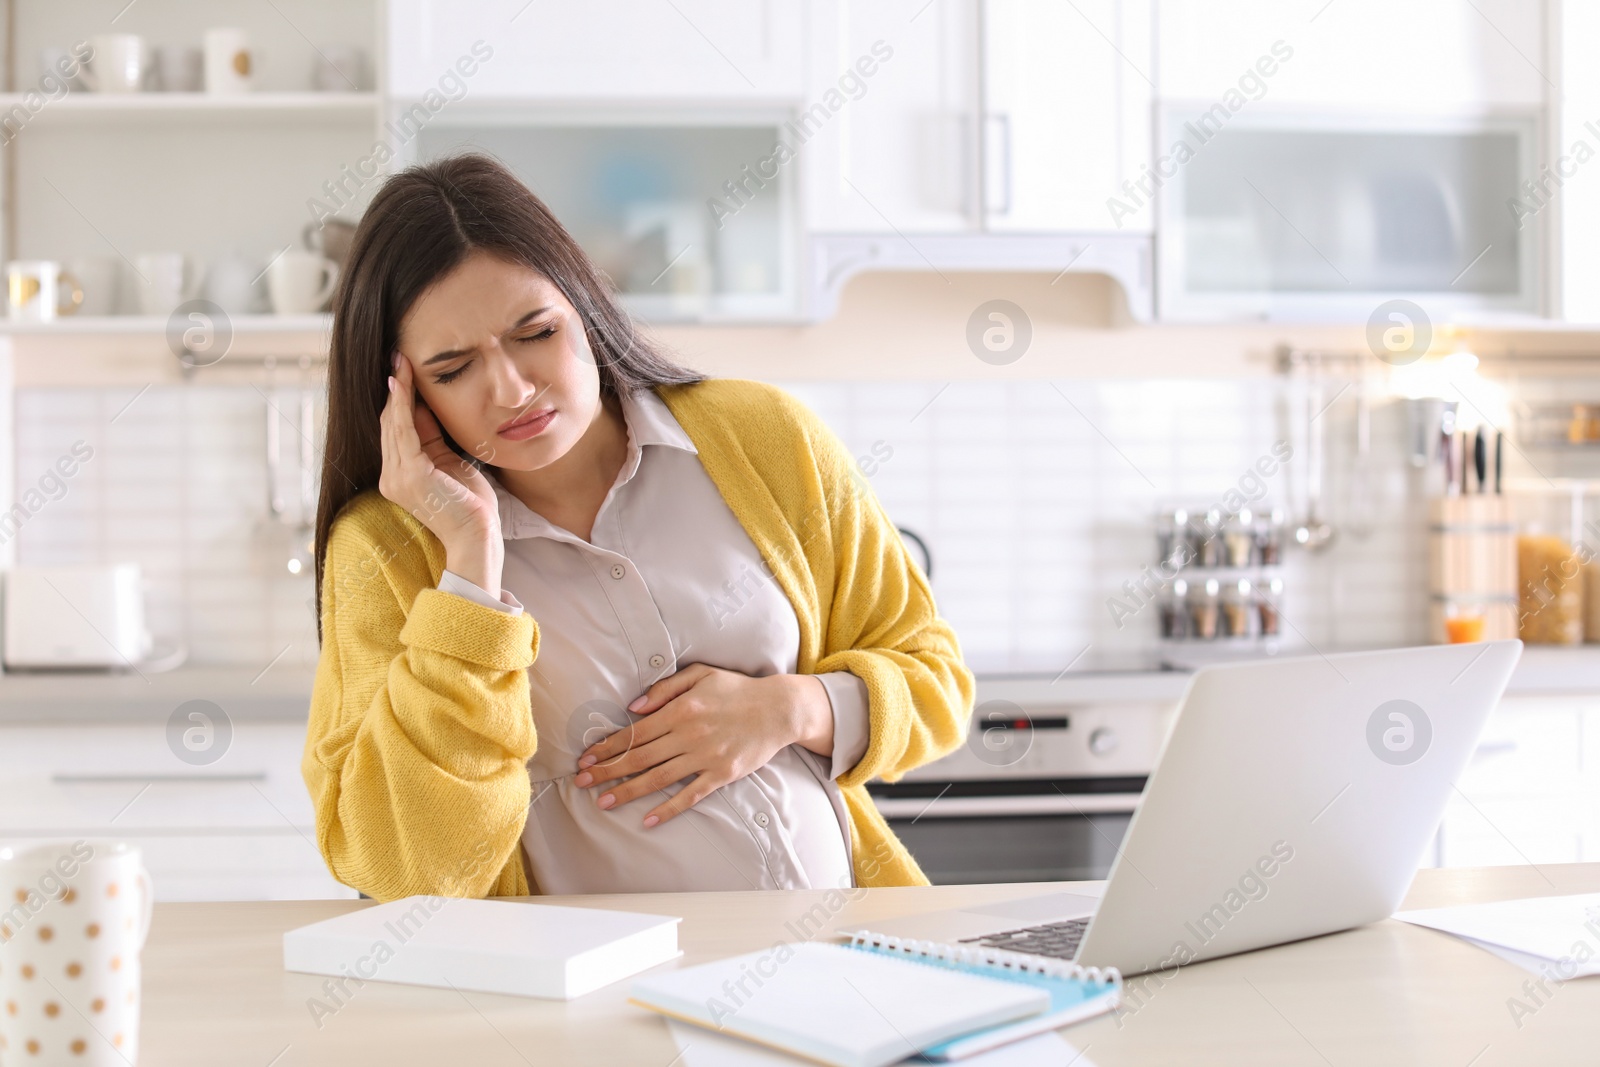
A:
(1534, 965)
(1563, 930)
(699, 1047)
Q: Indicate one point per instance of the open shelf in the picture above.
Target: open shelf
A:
(100, 107)
(157, 324)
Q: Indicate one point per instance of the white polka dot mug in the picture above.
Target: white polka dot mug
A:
(73, 918)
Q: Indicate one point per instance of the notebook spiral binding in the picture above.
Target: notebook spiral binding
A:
(990, 957)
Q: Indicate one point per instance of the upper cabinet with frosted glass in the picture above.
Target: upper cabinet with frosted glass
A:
(647, 127)
(1335, 157)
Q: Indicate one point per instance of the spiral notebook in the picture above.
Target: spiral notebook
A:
(876, 1001)
(1076, 993)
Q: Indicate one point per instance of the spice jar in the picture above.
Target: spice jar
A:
(1203, 612)
(1236, 610)
(1208, 546)
(1174, 610)
(1238, 539)
(1267, 607)
(1269, 539)
(1172, 538)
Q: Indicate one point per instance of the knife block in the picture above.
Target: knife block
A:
(1472, 563)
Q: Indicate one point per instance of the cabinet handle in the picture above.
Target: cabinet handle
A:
(92, 779)
(1024, 804)
(1492, 748)
(1004, 119)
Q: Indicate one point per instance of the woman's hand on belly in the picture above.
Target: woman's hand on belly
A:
(716, 724)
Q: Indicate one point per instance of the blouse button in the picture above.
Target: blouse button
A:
(761, 818)
(618, 570)
(657, 660)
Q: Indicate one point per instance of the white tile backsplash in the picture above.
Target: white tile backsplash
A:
(1036, 497)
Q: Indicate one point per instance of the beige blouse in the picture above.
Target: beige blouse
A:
(668, 578)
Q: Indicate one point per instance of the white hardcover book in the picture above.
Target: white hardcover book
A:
(489, 946)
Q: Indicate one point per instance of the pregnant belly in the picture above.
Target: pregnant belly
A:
(777, 828)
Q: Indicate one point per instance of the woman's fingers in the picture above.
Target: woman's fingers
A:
(657, 777)
(669, 688)
(626, 751)
(640, 731)
(405, 410)
(684, 799)
(389, 476)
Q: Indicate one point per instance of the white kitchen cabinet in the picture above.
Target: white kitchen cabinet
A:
(641, 51)
(1569, 198)
(901, 153)
(1320, 159)
(1068, 91)
(240, 828)
(1447, 55)
(1529, 795)
(907, 178)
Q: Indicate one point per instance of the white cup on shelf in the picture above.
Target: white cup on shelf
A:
(162, 282)
(120, 64)
(38, 290)
(300, 282)
(180, 68)
(229, 61)
(231, 284)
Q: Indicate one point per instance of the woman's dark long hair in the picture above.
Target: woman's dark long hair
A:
(420, 226)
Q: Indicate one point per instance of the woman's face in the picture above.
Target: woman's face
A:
(501, 358)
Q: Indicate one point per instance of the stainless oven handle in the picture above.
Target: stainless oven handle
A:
(1037, 804)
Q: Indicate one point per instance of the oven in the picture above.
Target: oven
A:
(1042, 790)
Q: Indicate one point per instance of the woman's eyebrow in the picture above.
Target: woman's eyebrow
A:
(456, 353)
(529, 317)
(447, 356)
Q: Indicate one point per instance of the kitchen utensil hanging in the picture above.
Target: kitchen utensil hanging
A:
(1313, 531)
(274, 537)
(302, 558)
(1358, 511)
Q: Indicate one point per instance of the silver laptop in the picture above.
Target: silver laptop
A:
(1292, 798)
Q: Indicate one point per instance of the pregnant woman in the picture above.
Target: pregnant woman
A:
(591, 622)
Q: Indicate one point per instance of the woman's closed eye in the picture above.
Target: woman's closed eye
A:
(548, 331)
(451, 375)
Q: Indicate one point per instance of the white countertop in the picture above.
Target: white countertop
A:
(282, 693)
(1542, 669)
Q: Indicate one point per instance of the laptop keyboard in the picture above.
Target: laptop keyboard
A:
(1059, 939)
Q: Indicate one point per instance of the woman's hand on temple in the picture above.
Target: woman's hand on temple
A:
(447, 494)
(716, 724)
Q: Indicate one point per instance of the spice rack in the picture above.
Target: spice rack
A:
(1224, 585)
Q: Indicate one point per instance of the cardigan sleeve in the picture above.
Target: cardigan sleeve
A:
(420, 725)
(880, 622)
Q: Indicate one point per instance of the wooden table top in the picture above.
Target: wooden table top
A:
(215, 991)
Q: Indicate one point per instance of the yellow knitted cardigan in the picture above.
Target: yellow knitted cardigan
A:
(421, 725)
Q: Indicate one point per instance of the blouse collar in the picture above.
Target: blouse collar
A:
(648, 422)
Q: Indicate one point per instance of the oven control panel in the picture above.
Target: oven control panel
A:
(1007, 740)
